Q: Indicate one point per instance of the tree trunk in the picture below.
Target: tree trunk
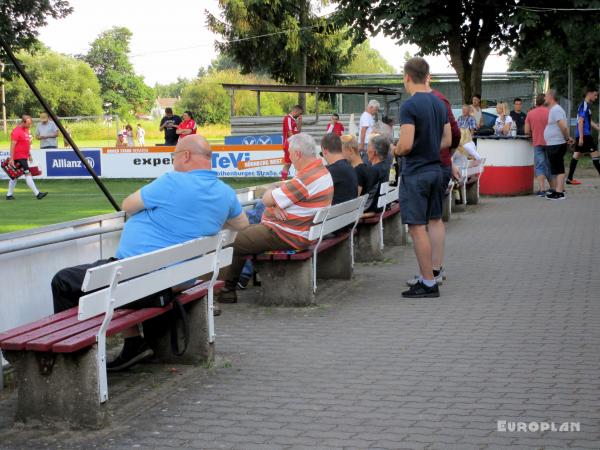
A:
(480, 54)
(303, 14)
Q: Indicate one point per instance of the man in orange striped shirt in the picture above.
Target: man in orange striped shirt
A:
(290, 209)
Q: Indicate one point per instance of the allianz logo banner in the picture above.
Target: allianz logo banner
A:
(67, 164)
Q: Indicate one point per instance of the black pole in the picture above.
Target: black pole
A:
(66, 135)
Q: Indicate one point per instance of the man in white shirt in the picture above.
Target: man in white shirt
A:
(367, 120)
(47, 132)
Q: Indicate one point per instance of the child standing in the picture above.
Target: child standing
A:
(141, 133)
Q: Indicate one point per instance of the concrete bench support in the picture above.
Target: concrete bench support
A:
(66, 395)
(286, 283)
(158, 335)
(368, 246)
(394, 231)
(336, 262)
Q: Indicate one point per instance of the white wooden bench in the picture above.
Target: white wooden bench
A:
(468, 184)
(381, 228)
(60, 360)
(289, 278)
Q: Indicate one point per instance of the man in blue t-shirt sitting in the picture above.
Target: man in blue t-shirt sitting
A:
(424, 131)
(179, 206)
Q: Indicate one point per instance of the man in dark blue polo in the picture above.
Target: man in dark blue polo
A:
(424, 131)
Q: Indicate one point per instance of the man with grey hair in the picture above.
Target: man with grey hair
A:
(367, 121)
(556, 135)
(290, 208)
(378, 153)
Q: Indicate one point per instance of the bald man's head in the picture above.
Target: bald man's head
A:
(192, 153)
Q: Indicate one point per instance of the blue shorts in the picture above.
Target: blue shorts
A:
(422, 196)
(542, 164)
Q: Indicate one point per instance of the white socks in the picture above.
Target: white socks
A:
(11, 187)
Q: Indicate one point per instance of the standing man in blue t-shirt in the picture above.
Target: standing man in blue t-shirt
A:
(424, 130)
(583, 134)
(179, 206)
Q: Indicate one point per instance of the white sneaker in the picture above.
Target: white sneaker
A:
(439, 279)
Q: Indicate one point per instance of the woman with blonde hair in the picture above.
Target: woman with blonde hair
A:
(352, 154)
(503, 121)
(467, 147)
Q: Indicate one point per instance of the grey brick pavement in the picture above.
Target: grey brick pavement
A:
(515, 336)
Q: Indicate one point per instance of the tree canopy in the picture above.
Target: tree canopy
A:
(284, 38)
(69, 85)
(20, 20)
(465, 30)
(555, 40)
(367, 60)
(109, 58)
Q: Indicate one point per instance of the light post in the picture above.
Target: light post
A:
(107, 112)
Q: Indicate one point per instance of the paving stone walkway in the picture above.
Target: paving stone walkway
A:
(515, 337)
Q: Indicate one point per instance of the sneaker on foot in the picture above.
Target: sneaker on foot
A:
(419, 290)
(243, 283)
(9, 197)
(41, 195)
(439, 279)
(556, 196)
(541, 193)
(573, 181)
(134, 350)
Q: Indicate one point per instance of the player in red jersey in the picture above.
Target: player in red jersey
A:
(335, 126)
(291, 126)
(20, 147)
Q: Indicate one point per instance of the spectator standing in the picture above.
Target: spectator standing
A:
(141, 135)
(345, 182)
(378, 152)
(290, 128)
(290, 209)
(503, 121)
(169, 124)
(477, 113)
(335, 126)
(20, 154)
(583, 135)
(362, 170)
(185, 204)
(47, 132)
(466, 121)
(556, 135)
(128, 132)
(518, 116)
(187, 126)
(424, 130)
(535, 124)
(367, 121)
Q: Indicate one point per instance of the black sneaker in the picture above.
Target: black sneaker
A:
(556, 196)
(41, 195)
(419, 290)
(9, 197)
(243, 283)
(541, 193)
(134, 350)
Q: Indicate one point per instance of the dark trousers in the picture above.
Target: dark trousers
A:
(250, 241)
(66, 285)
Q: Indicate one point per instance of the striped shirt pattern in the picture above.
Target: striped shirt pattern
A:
(301, 198)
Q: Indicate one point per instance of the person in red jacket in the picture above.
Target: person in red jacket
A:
(335, 126)
(437, 232)
(20, 153)
(292, 123)
(187, 126)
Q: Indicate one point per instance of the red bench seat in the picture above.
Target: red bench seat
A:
(303, 255)
(63, 333)
(372, 220)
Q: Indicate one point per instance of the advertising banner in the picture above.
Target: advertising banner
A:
(255, 139)
(136, 162)
(66, 164)
(3, 155)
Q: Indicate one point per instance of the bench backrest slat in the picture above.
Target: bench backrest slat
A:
(338, 216)
(387, 194)
(133, 289)
(100, 276)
